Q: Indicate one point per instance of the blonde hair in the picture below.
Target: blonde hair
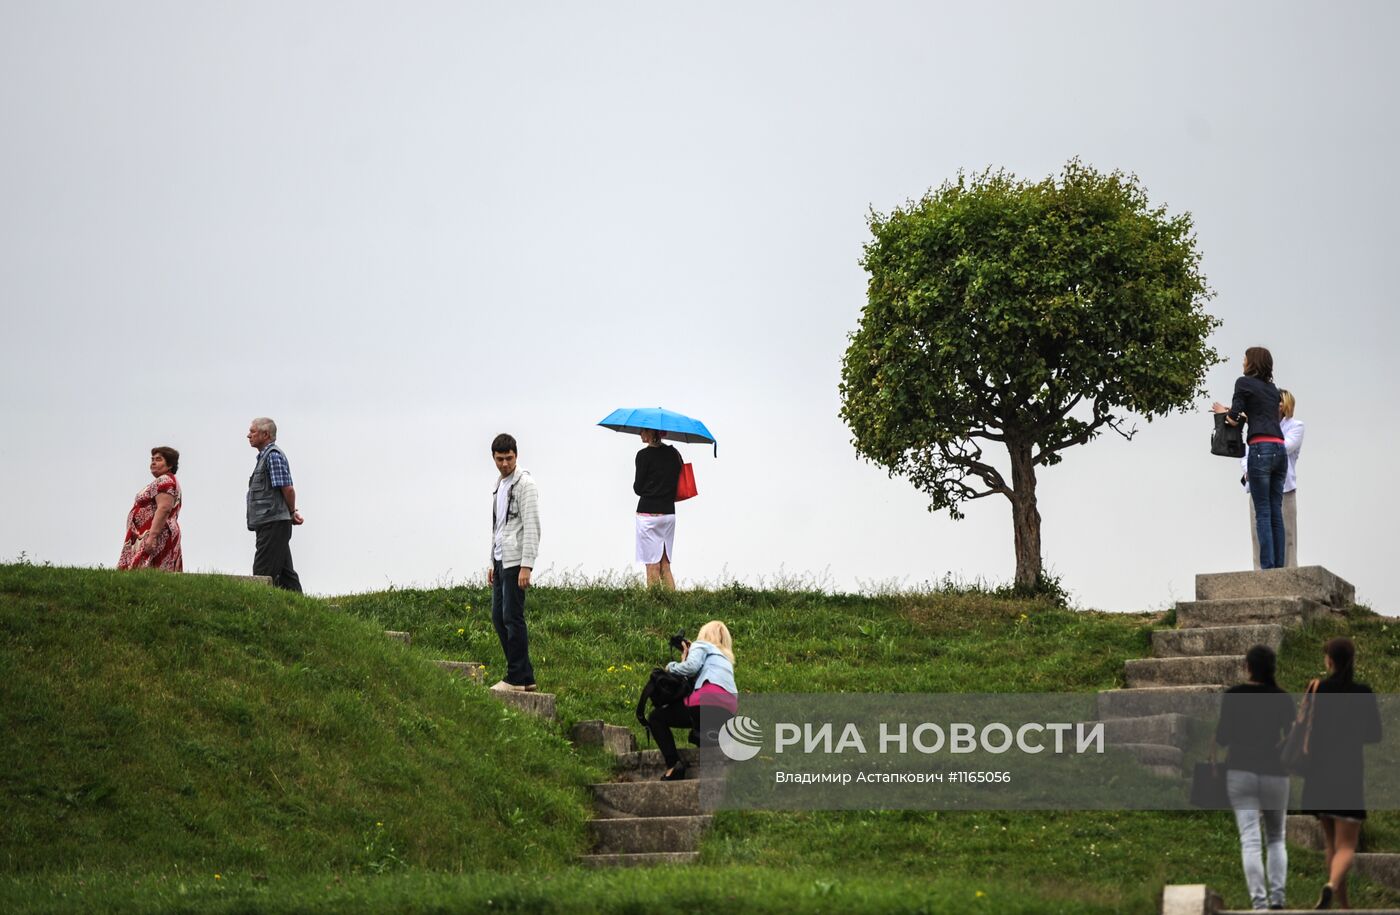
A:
(1286, 402)
(717, 634)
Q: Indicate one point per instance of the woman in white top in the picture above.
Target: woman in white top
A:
(1293, 443)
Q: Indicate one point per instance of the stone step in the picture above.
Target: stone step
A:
(638, 835)
(474, 671)
(1379, 867)
(1246, 611)
(1312, 582)
(1164, 730)
(1198, 700)
(1216, 640)
(541, 705)
(1226, 670)
(648, 764)
(252, 579)
(1155, 755)
(397, 636)
(642, 860)
(689, 797)
(1304, 832)
(613, 738)
(1199, 899)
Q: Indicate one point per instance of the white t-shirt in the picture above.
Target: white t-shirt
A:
(502, 502)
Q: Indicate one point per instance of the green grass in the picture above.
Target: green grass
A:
(594, 646)
(158, 721)
(164, 729)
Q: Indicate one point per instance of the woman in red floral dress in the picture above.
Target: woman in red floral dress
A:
(152, 528)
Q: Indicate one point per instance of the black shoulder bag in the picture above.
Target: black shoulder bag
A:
(1227, 440)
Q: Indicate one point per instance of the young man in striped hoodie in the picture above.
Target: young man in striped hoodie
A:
(515, 544)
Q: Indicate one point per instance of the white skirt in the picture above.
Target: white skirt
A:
(656, 536)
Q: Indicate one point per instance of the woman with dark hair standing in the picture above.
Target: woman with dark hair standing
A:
(1254, 720)
(1344, 718)
(658, 471)
(1256, 401)
(152, 526)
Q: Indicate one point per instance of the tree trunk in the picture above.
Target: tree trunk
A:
(1025, 517)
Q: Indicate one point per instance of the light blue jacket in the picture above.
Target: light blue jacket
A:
(710, 663)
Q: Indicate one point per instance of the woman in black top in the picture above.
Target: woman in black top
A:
(1254, 720)
(1256, 401)
(658, 472)
(1344, 718)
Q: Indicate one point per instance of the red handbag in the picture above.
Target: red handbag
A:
(685, 485)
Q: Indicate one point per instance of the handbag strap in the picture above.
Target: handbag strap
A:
(1309, 700)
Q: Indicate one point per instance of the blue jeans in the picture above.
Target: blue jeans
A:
(1261, 801)
(1268, 465)
(508, 616)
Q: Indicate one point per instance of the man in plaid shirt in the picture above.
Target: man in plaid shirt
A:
(272, 507)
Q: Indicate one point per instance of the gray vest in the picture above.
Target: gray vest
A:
(265, 502)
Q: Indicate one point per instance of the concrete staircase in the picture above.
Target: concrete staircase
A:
(1232, 612)
(642, 820)
(1192, 664)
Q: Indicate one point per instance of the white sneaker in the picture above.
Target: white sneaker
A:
(503, 686)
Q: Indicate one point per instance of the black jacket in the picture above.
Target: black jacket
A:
(1259, 400)
(658, 471)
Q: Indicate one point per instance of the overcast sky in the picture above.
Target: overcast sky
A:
(399, 229)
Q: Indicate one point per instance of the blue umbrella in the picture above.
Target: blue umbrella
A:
(677, 426)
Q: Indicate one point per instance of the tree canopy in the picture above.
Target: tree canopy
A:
(1030, 315)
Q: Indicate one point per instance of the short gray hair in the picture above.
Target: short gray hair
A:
(263, 424)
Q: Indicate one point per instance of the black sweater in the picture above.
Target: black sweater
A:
(1258, 399)
(658, 470)
(1254, 719)
(1346, 717)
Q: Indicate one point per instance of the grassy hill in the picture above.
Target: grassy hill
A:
(163, 730)
(181, 721)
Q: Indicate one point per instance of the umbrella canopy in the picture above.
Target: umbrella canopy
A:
(677, 426)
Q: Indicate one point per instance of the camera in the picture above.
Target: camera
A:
(678, 640)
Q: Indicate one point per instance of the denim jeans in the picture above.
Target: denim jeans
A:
(508, 616)
(1268, 465)
(1260, 800)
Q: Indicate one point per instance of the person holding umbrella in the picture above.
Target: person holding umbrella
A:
(658, 472)
(660, 468)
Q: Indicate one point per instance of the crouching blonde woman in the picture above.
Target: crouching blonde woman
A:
(715, 699)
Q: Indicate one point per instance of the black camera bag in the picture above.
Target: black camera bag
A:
(663, 688)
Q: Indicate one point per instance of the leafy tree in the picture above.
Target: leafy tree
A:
(1029, 315)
